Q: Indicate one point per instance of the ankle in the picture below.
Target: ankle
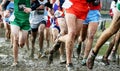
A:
(94, 53)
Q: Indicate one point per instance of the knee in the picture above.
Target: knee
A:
(72, 35)
(117, 39)
(41, 32)
(41, 28)
(70, 39)
(62, 32)
(91, 36)
(21, 44)
(14, 40)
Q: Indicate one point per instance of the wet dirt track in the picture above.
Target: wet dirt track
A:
(39, 64)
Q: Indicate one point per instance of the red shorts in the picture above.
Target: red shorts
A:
(80, 10)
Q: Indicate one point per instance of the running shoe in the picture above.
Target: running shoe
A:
(90, 61)
(70, 67)
(105, 61)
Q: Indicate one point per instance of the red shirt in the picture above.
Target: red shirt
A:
(94, 7)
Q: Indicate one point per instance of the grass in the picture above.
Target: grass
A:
(104, 12)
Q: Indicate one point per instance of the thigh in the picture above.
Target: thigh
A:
(79, 26)
(47, 33)
(71, 22)
(83, 32)
(62, 23)
(115, 24)
(41, 27)
(15, 31)
(92, 28)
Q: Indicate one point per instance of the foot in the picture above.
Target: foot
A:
(83, 63)
(70, 67)
(90, 61)
(31, 56)
(113, 57)
(14, 64)
(105, 61)
(81, 57)
(50, 59)
(41, 53)
(62, 60)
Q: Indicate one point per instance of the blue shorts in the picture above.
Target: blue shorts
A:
(57, 27)
(93, 16)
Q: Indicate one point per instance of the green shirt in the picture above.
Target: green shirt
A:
(21, 18)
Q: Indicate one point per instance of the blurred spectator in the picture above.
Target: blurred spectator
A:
(112, 7)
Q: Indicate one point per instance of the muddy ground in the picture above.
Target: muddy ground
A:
(39, 64)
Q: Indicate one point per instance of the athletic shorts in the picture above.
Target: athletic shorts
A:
(57, 27)
(34, 27)
(24, 25)
(79, 10)
(93, 16)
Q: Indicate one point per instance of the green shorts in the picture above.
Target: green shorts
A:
(24, 25)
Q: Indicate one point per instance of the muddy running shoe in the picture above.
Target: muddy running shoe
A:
(105, 61)
(70, 67)
(83, 63)
(50, 59)
(62, 59)
(90, 61)
(43, 55)
(40, 52)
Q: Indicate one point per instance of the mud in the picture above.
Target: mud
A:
(40, 64)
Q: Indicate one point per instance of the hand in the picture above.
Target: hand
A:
(52, 16)
(6, 14)
(27, 10)
(41, 7)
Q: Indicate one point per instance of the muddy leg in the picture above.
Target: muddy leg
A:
(33, 38)
(55, 47)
